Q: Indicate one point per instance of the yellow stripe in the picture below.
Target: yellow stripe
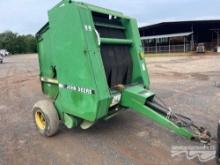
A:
(49, 80)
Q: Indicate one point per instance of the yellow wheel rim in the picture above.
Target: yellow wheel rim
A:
(40, 120)
(142, 55)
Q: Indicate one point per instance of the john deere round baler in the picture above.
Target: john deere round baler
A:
(92, 66)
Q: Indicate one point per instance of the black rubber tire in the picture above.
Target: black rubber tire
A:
(50, 115)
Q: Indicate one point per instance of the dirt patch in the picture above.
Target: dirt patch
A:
(200, 76)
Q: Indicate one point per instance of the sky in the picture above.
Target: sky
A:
(28, 16)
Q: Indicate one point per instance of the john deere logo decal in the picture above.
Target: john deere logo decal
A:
(77, 89)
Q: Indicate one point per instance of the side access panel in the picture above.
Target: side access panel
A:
(77, 89)
(46, 64)
(94, 55)
(140, 72)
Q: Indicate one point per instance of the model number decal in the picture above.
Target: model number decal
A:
(77, 89)
(115, 100)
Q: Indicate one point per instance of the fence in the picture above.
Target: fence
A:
(168, 48)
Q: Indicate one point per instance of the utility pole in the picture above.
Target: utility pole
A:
(217, 31)
(184, 44)
(169, 45)
(192, 38)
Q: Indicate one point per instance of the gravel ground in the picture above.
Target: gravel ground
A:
(189, 85)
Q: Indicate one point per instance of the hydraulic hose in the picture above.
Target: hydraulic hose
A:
(181, 120)
(200, 133)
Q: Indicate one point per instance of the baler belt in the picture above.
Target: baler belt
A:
(117, 63)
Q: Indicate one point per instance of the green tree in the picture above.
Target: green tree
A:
(16, 44)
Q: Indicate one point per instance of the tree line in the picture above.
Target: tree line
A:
(16, 44)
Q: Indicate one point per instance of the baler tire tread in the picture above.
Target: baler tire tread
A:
(51, 117)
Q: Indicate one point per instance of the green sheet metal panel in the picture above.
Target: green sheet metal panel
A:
(93, 50)
(140, 72)
(46, 62)
(74, 71)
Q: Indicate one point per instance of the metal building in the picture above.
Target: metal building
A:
(181, 36)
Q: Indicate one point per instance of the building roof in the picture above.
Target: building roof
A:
(178, 22)
(166, 36)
